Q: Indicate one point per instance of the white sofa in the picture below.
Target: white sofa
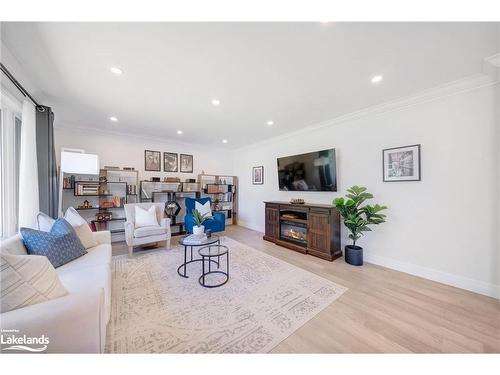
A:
(75, 323)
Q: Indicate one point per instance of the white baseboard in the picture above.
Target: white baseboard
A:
(476, 286)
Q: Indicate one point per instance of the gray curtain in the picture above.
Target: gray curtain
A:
(47, 168)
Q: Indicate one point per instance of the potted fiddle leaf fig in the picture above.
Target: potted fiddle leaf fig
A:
(357, 218)
(199, 219)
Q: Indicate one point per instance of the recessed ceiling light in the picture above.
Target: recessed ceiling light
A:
(270, 123)
(224, 141)
(179, 132)
(116, 70)
(113, 118)
(215, 102)
(377, 78)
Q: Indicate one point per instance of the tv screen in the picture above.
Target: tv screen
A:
(314, 171)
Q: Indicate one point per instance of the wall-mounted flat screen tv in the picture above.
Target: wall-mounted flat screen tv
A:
(314, 171)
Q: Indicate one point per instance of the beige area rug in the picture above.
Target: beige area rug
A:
(154, 310)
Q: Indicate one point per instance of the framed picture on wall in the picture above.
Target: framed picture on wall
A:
(258, 175)
(152, 161)
(401, 163)
(170, 162)
(186, 163)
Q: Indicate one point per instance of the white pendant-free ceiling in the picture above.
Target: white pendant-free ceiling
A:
(214, 81)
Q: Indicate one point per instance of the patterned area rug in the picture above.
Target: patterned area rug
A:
(157, 311)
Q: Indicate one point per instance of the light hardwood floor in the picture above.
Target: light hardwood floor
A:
(384, 311)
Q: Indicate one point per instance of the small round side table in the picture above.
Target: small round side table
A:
(207, 253)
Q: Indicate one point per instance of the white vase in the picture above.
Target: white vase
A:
(198, 229)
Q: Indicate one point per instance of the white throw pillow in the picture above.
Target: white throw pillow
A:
(203, 208)
(145, 218)
(81, 228)
(26, 280)
(44, 222)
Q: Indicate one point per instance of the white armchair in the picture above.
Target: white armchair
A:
(146, 235)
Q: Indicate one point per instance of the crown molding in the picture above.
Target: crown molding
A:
(466, 84)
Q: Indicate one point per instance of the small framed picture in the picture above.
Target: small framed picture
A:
(152, 161)
(401, 163)
(258, 175)
(186, 163)
(170, 162)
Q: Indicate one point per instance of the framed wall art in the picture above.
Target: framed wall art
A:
(152, 161)
(401, 163)
(170, 162)
(186, 162)
(258, 175)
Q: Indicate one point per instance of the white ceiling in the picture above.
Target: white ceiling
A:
(296, 74)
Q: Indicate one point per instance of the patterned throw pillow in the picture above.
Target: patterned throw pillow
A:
(61, 245)
(26, 280)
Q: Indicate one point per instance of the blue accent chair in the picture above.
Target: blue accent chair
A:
(217, 224)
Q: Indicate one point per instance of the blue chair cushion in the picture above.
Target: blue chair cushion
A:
(61, 245)
(217, 224)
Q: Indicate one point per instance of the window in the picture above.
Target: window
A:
(10, 156)
(17, 163)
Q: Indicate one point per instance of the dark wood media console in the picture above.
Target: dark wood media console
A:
(307, 228)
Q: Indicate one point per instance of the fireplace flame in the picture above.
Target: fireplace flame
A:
(295, 234)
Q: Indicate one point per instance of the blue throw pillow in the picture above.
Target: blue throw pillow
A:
(61, 245)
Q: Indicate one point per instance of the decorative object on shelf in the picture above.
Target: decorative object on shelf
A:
(198, 220)
(189, 187)
(118, 201)
(152, 160)
(217, 205)
(357, 218)
(186, 163)
(155, 179)
(258, 175)
(170, 162)
(86, 204)
(401, 163)
(297, 201)
(128, 168)
(107, 205)
(172, 209)
(172, 179)
(103, 216)
(131, 189)
(190, 180)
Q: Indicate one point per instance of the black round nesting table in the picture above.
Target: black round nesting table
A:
(214, 239)
(208, 253)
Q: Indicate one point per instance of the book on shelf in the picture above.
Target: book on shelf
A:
(195, 239)
(87, 189)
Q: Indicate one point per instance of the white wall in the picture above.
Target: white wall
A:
(128, 151)
(443, 227)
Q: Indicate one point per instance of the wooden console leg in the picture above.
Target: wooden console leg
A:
(168, 244)
(130, 251)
